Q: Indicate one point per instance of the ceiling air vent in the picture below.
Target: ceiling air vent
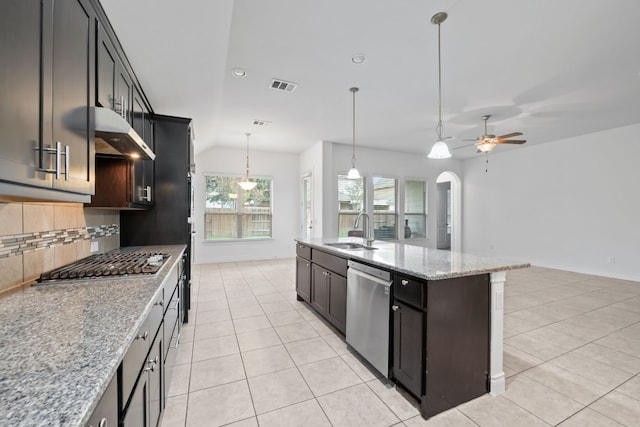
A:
(283, 85)
(264, 123)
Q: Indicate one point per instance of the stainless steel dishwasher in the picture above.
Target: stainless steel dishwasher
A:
(368, 303)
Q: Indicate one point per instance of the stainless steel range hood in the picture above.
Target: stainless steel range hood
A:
(119, 136)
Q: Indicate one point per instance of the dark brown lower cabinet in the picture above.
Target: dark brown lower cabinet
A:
(337, 301)
(319, 289)
(329, 296)
(407, 346)
(441, 339)
(146, 401)
(106, 413)
(303, 279)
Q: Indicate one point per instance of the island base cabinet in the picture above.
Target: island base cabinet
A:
(337, 302)
(303, 279)
(319, 289)
(407, 347)
(457, 342)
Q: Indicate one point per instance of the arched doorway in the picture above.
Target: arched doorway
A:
(449, 212)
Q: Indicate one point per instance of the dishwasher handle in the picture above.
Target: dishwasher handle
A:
(352, 271)
(370, 271)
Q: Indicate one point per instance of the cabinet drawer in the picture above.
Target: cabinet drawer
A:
(330, 262)
(134, 359)
(410, 290)
(170, 320)
(303, 251)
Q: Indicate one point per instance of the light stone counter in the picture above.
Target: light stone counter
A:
(61, 344)
(430, 264)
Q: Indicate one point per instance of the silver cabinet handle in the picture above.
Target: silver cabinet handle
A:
(57, 151)
(152, 363)
(147, 193)
(143, 336)
(160, 303)
(394, 307)
(404, 282)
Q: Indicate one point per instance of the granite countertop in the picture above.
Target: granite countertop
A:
(418, 261)
(61, 344)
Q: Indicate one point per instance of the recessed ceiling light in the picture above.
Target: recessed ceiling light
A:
(238, 72)
(358, 58)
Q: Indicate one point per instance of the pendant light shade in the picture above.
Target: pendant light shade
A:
(353, 172)
(247, 185)
(440, 150)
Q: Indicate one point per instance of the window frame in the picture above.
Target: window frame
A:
(238, 213)
(425, 206)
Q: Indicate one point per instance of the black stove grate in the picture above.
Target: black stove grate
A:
(108, 265)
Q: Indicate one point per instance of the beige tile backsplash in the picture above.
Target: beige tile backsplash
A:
(28, 217)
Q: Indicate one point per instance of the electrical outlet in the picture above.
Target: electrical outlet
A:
(611, 260)
(95, 246)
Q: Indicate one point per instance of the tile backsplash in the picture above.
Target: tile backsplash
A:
(37, 237)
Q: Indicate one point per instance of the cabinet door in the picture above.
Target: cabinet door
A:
(337, 306)
(20, 113)
(303, 278)
(319, 289)
(107, 408)
(155, 378)
(142, 169)
(136, 415)
(123, 93)
(71, 79)
(106, 71)
(407, 346)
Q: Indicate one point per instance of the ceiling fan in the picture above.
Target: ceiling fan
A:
(487, 142)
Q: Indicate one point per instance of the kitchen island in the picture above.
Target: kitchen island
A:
(447, 320)
(61, 344)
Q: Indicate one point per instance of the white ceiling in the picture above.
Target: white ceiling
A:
(551, 69)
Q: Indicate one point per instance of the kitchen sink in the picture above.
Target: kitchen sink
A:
(351, 246)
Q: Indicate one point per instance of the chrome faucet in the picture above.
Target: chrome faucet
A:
(366, 228)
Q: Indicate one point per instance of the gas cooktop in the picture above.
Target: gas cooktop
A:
(108, 265)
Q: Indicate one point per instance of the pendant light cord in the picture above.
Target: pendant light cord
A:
(248, 135)
(353, 154)
(439, 126)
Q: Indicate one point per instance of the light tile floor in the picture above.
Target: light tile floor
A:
(252, 355)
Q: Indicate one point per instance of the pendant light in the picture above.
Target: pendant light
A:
(353, 172)
(440, 150)
(246, 184)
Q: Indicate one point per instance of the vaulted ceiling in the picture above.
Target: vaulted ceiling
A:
(551, 69)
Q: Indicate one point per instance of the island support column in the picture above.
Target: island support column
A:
(496, 372)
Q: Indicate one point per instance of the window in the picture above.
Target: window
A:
(232, 213)
(415, 209)
(351, 202)
(384, 208)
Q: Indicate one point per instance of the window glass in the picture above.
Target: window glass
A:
(384, 208)
(415, 209)
(233, 213)
(351, 202)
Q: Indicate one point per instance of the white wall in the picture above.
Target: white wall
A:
(283, 169)
(570, 204)
(311, 161)
(390, 164)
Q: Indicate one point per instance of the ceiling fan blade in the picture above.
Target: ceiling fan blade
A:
(463, 146)
(511, 141)
(509, 135)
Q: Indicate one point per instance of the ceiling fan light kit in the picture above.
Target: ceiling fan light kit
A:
(440, 150)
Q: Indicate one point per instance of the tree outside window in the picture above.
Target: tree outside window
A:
(232, 213)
